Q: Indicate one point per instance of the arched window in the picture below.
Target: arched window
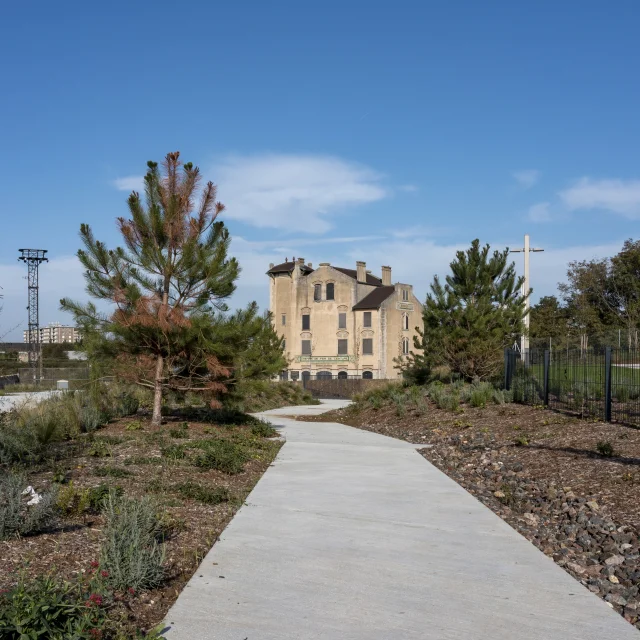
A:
(367, 375)
(330, 291)
(342, 375)
(405, 321)
(405, 346)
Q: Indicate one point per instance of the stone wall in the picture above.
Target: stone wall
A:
(339, 388)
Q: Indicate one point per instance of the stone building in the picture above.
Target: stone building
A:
(342, 322)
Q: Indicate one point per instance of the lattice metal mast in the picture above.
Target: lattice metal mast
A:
(33, 258)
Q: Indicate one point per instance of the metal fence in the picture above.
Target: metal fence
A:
(599, 383)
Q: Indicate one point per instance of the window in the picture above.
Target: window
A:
(367, 346)
(342, 375)
(306, 322)
(324, 375)
(284, 319)
(367, 375)
(317, 292)
(284, 344)
(405, 321)
(343, 347)
(295, 375)
(284, 375)
(405, 346)
(306, 347)
(330, 291)
(366, 321)
(342, 321)
(405, 295)
(306, 375)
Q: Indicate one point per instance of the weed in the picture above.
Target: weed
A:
(521, 440)
(134, 425)
(222, 455)
(130, 552)
(622, 393)
(263, 429)
(112, 472)
(141, 460)
(76, 502)
(181, 432)
(173, 452)
(195, 491)
(99, 449)
(605, 449)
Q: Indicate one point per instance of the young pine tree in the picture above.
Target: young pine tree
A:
(470, 319)
(163, 285)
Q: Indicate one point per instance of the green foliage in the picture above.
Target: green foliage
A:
(180, 432)
(222, 455)
(482, 394)
(112, 472)
(174, 239)
(622, 393)
(605, 449)
(72, 501)
(263, 429)
(134, 425)
(470, 319)
(253, 395)
(17, 516)
(173, 452)
(130, 551)
(521, 440)
(50, 609)
(207, 495)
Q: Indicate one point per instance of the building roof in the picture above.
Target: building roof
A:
(287, 267)
(374, 299)
(353, 273)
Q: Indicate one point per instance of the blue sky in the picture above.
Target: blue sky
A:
(393, 132)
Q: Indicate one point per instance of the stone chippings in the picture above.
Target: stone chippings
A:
(574, 530)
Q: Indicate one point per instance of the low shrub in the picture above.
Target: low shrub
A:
(605, 449)
(263, 429)
(180, 432)
(195, 491)
(521, 441)
(222, 455)
(72, 501)
(173, 452)
(622, 393)
(112, 472)
(53, 609)
(130, 552)
(22, 510)
(134, 425)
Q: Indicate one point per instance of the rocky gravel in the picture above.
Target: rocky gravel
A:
(575, 530)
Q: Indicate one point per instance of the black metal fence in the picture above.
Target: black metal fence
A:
(600, 383)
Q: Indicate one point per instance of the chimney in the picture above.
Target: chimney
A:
(271, 265)
(309, 265)
(361, 269)
(386, 276)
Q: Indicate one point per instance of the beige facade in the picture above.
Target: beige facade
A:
(56, 333)
(342, 322)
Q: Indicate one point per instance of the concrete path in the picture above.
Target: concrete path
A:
(354, 536)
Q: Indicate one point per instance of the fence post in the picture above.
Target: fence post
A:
(547, 363)
(507, 378)
(607, 384)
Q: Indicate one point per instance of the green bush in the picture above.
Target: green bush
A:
(76, 502)
(24, 513)
(130, 552)
(51, 609)
(263, 429)
(622, 393)
(222, 455)
(113, 472)
(180, 432)
(173, 452)
(195, 491)
(605, 449)
(481, 394)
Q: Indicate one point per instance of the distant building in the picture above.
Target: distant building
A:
(339, 322)
(56, 333)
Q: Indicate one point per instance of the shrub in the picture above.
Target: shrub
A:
(130, 552)
(99, 449)
(173, 452)
(180, 432)
(195, 491)
(605, 449)
(76, 502)
(622, 393)
(113, 472)
(481, 394)
(522, 441)
(51, 609)
(222, 455)
(134, 425)
(263, 429)
(22, 512)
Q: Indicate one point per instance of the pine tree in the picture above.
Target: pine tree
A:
(165, 285)
(470, 319)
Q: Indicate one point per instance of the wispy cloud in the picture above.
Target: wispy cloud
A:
(540, 212)
(129, 183)
(526, 178)
(294, 192)
(617, 196)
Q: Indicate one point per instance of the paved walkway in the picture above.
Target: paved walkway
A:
(355, 536)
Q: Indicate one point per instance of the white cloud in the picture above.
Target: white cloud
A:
(526, 178)
(294, 192)
(618, 196)
(540, 212)
(129, 183)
